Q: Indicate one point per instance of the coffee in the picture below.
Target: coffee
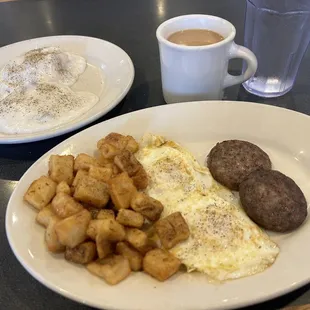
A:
(195, 37)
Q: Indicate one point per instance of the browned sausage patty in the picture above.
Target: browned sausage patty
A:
(231, 161)
(273, 200)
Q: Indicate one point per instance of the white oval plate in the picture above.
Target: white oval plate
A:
(115, 67)
(197, 126)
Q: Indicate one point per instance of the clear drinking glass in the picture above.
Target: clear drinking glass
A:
(278, 33)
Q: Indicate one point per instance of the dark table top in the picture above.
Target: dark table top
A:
(131, 25)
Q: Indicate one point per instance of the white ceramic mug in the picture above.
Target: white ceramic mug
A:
(191, 73)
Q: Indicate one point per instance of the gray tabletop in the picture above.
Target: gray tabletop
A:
(131, 25)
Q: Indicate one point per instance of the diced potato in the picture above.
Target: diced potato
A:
(64, 205)
(103, 174)
(61, 168)
(40, 192)
(104, 162)
(84, 253)
(44, 216)
(104, 247)
(115, 170)
(93, 228)
(92, 191)
(133, 256)
(112, 269)
(106, 214)
(63, 187)
(130, 218)
(79, 175)
(132, 145)
(172, 229)
(139, 240)
(51, 238)
(122, 190)
(147, 206)
(72, 230)
(113, 143)
(140, 179)
(108, 151)
(93, 210)
(117, 140)
(84, 162)
(127, 162)
(160, 264)
(111, 230)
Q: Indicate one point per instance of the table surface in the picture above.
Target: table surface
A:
(131, 25)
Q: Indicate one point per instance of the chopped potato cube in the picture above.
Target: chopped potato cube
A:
(71, 231)
(63, 187)
(147, 206)
(84, 162)
(40, 192)
(79, 175)
(139, 240)
(64, 205)
(134, 257)
(140, 179)
(127, 162)
(115, 170)
(44, 216)
(92, 191)
(108, 151)
(51, 238)
(104, 247)
(132, 145)
(122, 190)
(104, 162)
(113, 269)
(84, 253)
(130, 218)
(93, 228)
(111, 230)
(103, 174)
(105, 214)
(117, 140)
(121, 142)
(61, 168)
(172, 229)
(93, 210)
(160, 264)
(113, 143)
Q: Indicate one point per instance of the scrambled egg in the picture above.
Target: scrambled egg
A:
(224, 243)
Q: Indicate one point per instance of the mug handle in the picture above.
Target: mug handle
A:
(238, 51)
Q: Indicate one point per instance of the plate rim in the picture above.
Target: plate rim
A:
(77, 298)
(52, 132)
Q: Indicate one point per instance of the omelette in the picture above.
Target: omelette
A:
(224, 243)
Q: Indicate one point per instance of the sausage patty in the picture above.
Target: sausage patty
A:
(231, 161)
(273, 200)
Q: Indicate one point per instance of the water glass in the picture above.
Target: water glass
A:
(278, 32)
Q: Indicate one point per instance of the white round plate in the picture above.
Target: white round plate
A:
(197, 126)
(115, 67)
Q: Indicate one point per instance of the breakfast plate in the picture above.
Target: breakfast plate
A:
(109, 75)
(198, 126)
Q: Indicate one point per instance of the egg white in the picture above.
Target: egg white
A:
(224, 243)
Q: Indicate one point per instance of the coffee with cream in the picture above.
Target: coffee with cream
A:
(195, 37)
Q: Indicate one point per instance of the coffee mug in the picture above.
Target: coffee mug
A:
(193, 73)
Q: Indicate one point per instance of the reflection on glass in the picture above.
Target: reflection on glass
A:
(46, 10)
(161, 8)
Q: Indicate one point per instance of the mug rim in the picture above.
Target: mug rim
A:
(163, 40)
